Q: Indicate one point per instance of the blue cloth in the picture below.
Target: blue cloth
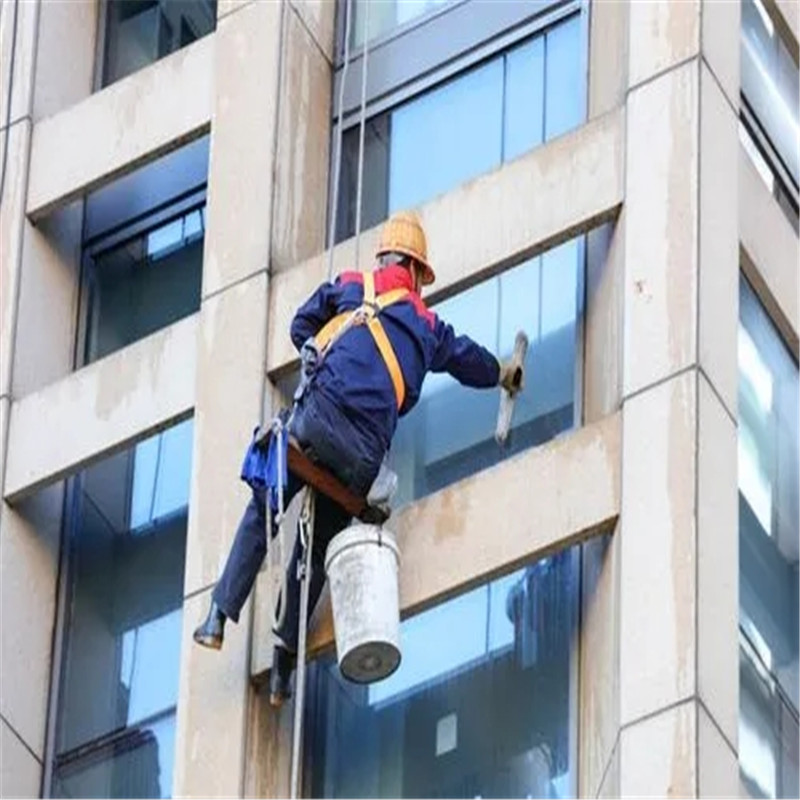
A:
(353, 376)
(260, 466)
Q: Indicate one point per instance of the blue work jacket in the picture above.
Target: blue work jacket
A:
(353, 374)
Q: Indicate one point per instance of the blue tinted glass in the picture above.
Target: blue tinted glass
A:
(564, 94)
(769, 492)
(523, 126)
(138, 763)
(139, 32)
(123, 629)
(433, 445)
(768, 732)
(140, 286)
(771, 83)
(446, 136)
(480, 706)
(386, 15)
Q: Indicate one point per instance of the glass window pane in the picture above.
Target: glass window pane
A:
(564, 94)
(143, 285)
(385, 15)
(524, 107)
(139, 763)
(434, 446)
(139, 32)
(489, 714)
(771, 83)
(446, 136)
(375, 177)
(464, 127)
(769, 476)
(125, 592)
(768, 733)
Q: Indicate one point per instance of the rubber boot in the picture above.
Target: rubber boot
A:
(280, 676)
(212, 631)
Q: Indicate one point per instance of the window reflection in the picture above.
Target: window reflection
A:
(769, 547)
(119, 684)
(465, 127)
(139, 32)
(771, 84)
(480, 706)
(434, 447)
(144, 284)
(385, 15)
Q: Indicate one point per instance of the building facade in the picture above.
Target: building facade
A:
(607, 606)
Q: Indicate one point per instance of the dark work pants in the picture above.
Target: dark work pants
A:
(319, 428)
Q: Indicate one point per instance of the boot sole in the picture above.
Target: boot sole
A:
(211, 642)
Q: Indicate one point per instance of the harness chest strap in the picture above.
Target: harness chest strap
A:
(367, 314)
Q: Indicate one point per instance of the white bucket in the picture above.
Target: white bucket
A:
(361, 563)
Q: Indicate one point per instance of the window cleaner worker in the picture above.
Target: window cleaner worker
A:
(356, 382)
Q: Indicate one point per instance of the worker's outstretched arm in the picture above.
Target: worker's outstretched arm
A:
(315, 312)
(467, 361)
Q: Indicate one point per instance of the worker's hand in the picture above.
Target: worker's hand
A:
(309, 357)
(510, 377)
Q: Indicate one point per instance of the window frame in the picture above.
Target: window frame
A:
(785, 184)
(392, 79)
(745, 643)
(578, 551)
(70, 508)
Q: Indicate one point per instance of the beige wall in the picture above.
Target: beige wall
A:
(657, 166)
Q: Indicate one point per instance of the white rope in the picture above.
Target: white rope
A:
(307, 537)
(362, 125)
(337, 161)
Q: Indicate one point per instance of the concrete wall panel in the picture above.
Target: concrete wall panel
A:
(790, 13)
(65, 60)
(662, 34)
(579, 474)
(301, 166)
(11, 228)
(541, 199)
(610, 785)
(49, 290)
(717, 562)
(661, 224)
(230, 358)
(657, 618)
(608, 56)
(721, 30)
(24, 57)
(101, 408)
(110, 133)
(771, 251)
(599, 669)
(718, 280)
(319, 16)
(658, 754)
(242, 136)
(602, 354)
(212, 704)
(20, 772)
(29, 553)
(717, 766)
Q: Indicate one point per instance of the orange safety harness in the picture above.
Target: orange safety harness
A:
(367, 314)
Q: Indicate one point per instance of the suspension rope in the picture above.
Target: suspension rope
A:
(362, 125)
(337, 161)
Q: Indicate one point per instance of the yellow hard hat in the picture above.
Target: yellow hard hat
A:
(403, 233)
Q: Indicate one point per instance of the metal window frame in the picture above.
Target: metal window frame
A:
(140, 226)
(784, 184)
(438, 46)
